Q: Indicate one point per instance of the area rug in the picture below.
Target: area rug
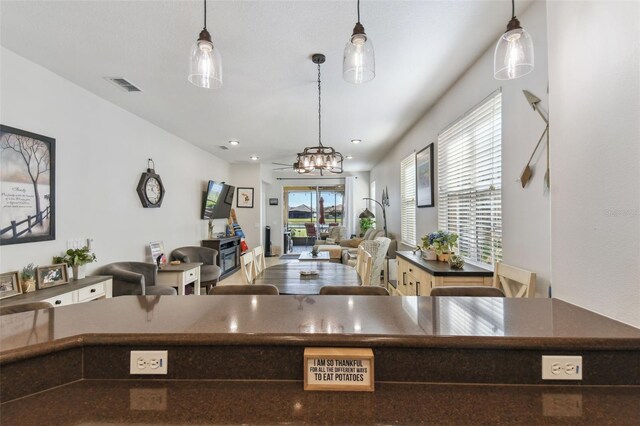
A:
(290, 256)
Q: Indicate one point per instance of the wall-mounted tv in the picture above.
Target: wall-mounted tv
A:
(217, 200)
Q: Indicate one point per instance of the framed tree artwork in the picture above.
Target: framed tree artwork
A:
(245, 198)
(27, 180)
(424, 177)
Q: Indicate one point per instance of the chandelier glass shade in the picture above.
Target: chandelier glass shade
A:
(319, 157)
(513, 57)
(205, 67)
(358, 62)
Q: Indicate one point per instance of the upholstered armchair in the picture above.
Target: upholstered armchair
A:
(134, 278)
(351, 246)
(209, 270)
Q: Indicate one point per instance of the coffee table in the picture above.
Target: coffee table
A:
(322, 256)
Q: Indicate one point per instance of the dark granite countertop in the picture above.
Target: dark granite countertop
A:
(143, 402)
(442, 269)
(313, 320)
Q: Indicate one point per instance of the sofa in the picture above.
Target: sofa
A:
(332, 243)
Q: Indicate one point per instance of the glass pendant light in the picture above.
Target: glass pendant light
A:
(513, 56)
(358, 65)
(206, 63)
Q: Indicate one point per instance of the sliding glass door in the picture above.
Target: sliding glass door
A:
(321, 205)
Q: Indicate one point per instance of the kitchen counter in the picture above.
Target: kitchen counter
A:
(137, 402)
(414, 339)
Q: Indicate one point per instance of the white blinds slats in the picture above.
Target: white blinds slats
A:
(408, 200)
(469, 181)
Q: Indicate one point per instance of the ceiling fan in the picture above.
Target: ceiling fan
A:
(286, 166)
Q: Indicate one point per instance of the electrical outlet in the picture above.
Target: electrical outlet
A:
(561, 367)
(149, 362)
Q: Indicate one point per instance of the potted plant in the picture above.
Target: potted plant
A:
(441, 242)
(28, 276)
(75, 258)
(365, 224)
(428, 253)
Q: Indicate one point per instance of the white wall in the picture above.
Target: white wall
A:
(525, 212)
(249, 176)
(101, 151)
(594, 78)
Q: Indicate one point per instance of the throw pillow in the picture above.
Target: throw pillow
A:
(331, 240)
(353, 243)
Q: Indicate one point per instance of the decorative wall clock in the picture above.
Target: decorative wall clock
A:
(150, 188)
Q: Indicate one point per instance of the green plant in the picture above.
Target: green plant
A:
(29, 272)
(366, 223)
(76, 257)
(440, 242)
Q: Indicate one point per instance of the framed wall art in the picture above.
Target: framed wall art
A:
(51, 276)
(27, 181)
(424, 177)
(10, 284)
(245, 198)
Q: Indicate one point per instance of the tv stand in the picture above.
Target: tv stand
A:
(228, 258)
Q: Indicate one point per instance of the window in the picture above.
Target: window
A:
(408, 200)
(469, 181)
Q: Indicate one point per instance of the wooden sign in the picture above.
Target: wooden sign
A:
(338, 369)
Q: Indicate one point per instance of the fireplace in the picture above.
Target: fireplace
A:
(228, 254)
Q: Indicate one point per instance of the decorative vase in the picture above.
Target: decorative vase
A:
(443, 257)
(28, 285)
(429, 255)
(78, 272)
(456, 262)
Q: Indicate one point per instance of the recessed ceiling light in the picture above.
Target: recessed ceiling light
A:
(234, 143)
(356, 141)
(254, 157)
(349, 157)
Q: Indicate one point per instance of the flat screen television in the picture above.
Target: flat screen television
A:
(217, 200)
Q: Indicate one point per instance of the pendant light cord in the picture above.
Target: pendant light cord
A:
(319, 109)
(205, 14)
(358, 11)
(513, 8)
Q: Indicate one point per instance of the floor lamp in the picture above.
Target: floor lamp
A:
(385, 201)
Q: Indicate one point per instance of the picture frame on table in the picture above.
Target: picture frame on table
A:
(51, 275)
(27, 177)
(158, 255)
(425, 177)
(10, 284)
(245, 198)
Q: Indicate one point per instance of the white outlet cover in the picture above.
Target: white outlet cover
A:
(148, 362)
(561, 367)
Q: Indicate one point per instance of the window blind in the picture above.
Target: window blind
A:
(469, 181)
(408, 199)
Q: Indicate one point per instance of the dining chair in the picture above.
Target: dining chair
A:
(312, 232)
(247, 267)
(239, 289)
(363, 265)
(258, 260)
(338, 290)
(514, 282)
(467, 291)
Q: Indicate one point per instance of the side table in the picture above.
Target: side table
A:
(179, 276)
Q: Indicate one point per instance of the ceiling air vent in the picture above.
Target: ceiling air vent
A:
(123, 83)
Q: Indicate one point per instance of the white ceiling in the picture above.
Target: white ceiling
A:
(269, 98)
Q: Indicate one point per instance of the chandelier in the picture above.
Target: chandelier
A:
(323, 158)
